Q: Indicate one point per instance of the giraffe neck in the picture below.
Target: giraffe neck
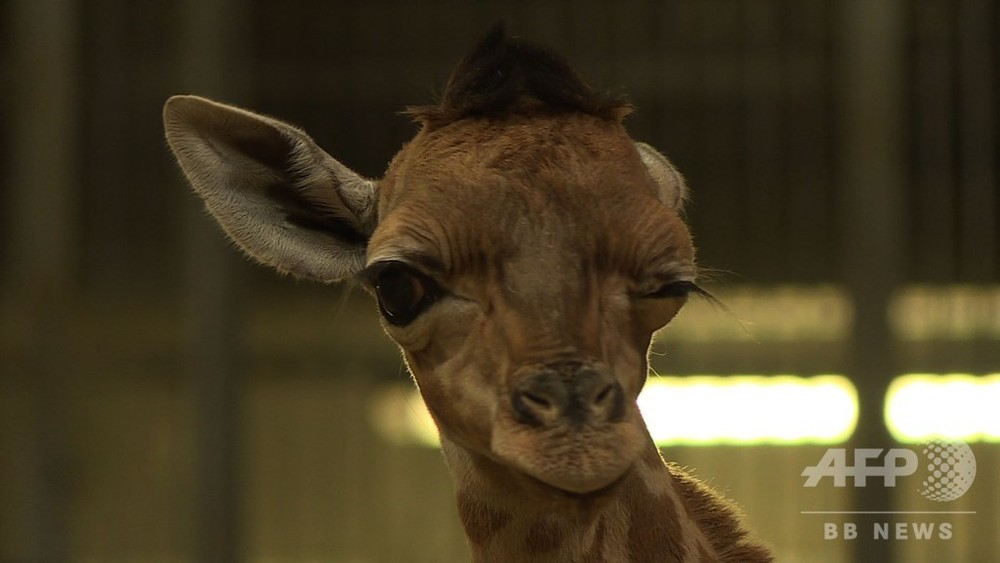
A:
(648, 516)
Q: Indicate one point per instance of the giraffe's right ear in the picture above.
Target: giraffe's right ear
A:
(280, 197)
(671, 189)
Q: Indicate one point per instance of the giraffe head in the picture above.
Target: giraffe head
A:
(522, 250)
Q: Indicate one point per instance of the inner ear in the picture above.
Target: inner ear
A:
(305, 206)
(671, 189)
(312, 214)
(234, 133)
(275, 192)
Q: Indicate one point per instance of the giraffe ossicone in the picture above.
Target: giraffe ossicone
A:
(522, 250)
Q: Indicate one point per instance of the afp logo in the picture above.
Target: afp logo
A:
(951, 469)
(947, 468)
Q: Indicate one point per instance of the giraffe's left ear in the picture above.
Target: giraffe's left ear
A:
(280, 197)
(670, 185)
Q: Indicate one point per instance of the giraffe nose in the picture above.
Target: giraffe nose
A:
(568, 393)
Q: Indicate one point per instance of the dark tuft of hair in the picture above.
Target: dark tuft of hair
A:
(503, 74)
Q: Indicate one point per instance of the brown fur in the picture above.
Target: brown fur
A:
(719, 519)
(522, 249)
(481, 521)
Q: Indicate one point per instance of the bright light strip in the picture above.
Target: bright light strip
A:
(749, 409)
(958, 406)
(824, 313)
(784, 313)
(696, 410)
(956, 312)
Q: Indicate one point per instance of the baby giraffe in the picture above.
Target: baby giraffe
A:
(522, 250)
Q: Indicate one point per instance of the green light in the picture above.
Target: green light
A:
(749, 409)
(919, 407)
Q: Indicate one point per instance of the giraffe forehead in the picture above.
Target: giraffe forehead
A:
(485, 194)
(520, 161)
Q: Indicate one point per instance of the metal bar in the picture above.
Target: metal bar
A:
(109, 264)
(934, 126)
(210, 40)
(43, 121)
(977, 172)
(870, 95)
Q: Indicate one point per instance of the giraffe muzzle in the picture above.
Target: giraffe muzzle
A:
(571, 394)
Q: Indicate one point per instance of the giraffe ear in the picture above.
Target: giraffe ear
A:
(282, 199)
(671, 188)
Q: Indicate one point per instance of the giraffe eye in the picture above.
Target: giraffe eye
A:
(403, 293)
(674, 289)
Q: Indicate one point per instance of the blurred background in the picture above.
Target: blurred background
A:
(162, 399)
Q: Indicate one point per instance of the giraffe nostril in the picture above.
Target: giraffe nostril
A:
(540, 398)
(602, 395)
(536, 400)
(597, 397)
(608, 403)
